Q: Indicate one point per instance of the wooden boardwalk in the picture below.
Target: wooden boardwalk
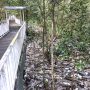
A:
(6, 40)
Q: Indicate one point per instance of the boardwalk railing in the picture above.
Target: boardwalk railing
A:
(18, 21)
(10, 61)
(4, 28)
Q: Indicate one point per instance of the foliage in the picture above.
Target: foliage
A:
(74, 33)
(30, 34)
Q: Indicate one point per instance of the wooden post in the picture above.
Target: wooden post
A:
(20, 16)
(23, 15)
(6, 15)
(26, 18)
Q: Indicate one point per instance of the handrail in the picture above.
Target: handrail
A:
(4, 28)
(8, 50)
(10, 60)
(13, 41)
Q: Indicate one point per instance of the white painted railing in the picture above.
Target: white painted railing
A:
(10, 61)
(4, 28)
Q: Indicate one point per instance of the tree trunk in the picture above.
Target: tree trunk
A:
(52, 36)
(43, 39)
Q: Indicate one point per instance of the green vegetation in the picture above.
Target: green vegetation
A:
(61, 29)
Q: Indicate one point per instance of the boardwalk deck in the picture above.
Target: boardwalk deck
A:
(6, 40)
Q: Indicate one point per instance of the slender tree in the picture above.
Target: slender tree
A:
(52, 36)
(43, 39)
